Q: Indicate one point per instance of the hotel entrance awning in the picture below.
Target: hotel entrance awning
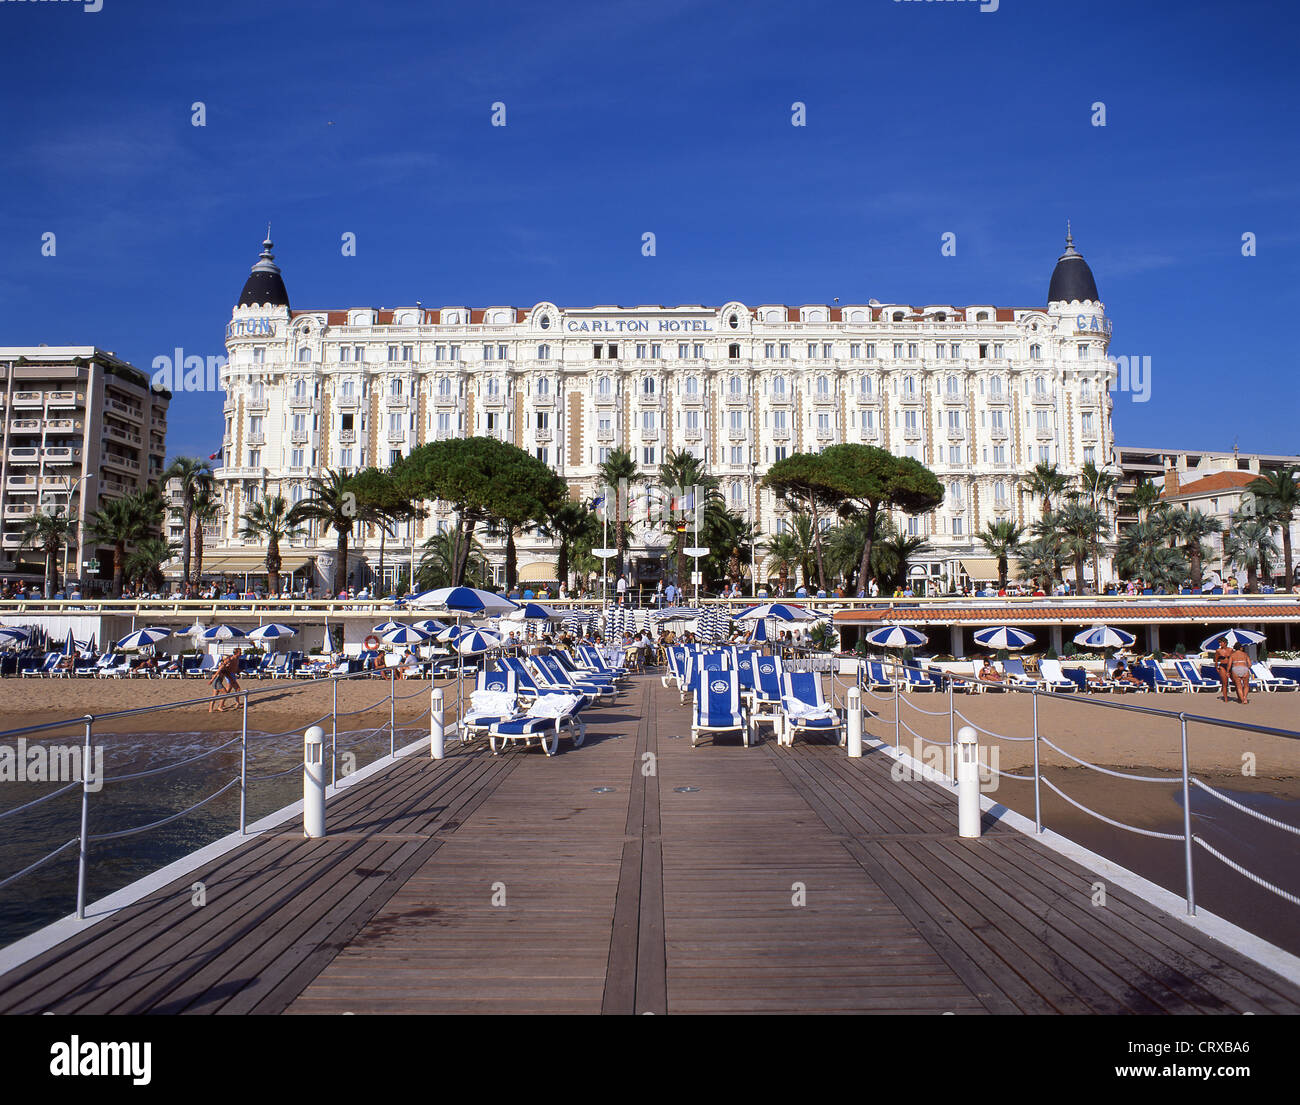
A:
(251, 562)
(984, 569)
(538, 572)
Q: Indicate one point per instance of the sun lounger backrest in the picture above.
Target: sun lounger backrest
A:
(803, 686)
(499, 680)
(767, 675)
(745, 660)
(718, 700)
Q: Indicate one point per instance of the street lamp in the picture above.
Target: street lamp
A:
(753, 524)
(81, 544)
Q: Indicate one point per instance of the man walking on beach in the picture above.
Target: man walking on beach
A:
(226, 672)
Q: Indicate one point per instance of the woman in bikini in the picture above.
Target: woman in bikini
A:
(1240, 672)
(1222, 657)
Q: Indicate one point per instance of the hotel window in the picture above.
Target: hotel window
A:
(1085, 351)
(602, 454)
(692, 420)
(954, 420)
(454, 352)
(489, 353)
(656, 351)
(439, 352)
(392, 352)
(346, 389)
(1000, 493)
(345, 353)
(911, 349)
(737, 493)
(1040, 385)
(299, 423)
(395, 387)
(1045, 454)
(640, 351)
(999, 350)
(999, 454)
(812, 350)
(544, 454)
(605, 425)
(769, 350)
(868, 386)
(1040, 420)
(954, 386)
(444, 386)
(828, 351)
(913, 526)
(824, 422)
(492, 422)
(543, 420)
(255, 425)
(733, 352)
(909, 420)
(544, 385)
(898, 350)
(612, 352)
(956, 527)
(823, 387)
(543, 352)
(493, 386)
(444, 425)
(345, 458)
(855, 351)
(778, 420)
(1088, 426)
(257, 392)
(785, 351)
(502, 353)
(778, 385)
(909, 386)
(954, 454)
(778, 453)
(954, 492)
(648, 456)
(259, 355)
(938, 350)
(1035, 352)
(295, 458)
(737, 420)
(868, 420)
(603, 387)
(647, 420)
(394, 455)
(736, 386)
(683, 351)
(647, 385)
(995, 386)
(408, 352)
(871, 351)
(698, 352)
(955, 351)
(1085, 391)
(1089, 455)
(737, 455)
(304, 354)
(692, 385)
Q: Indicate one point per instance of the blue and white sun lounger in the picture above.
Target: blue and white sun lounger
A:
(549, 715)
(805, 710)
(717, 706)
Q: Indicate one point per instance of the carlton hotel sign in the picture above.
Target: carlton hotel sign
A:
(633, 323)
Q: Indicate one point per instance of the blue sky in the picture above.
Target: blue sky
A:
(675, 118)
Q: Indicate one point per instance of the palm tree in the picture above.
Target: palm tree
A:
(331, 504)
(50, 533)
(195, 476)
(679, 474)
(1141, 555)
(1046, 482)
(144, 564)
(782, 551)
(1277, 495)
(1082, 529)
(1192, 527)
(1250, 545)
(1002, 540)
(896, 552)
(574, 527)
(1041, 561)
(617, 472)
(127, 521)
(268, 520)
(437, 567)
(207, 508)
(1097, 484)
(1142, 499)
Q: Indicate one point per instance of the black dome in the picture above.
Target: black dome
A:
(1072, 279)
(264, 286)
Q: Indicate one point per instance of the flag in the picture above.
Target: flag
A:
(215, 456)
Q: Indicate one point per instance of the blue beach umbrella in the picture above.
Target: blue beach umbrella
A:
(1004, 636)
(386, 627)
(1232, 637)
(142, 637)
(535, 612)
(405, 635)
(475, 641)
(1104, 636)
(272, 631)
(12, 633)
(896, 636)
(70, 645)
(781, 611)
(221, 632)
(430, 625)
(468, 600)
(449, 635)
(759, 634)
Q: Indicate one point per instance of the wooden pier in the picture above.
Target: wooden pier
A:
(719, 879)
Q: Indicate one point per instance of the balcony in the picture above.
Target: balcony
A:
(605, 433)
(62, 455)
(650, 402)
(781, 433)
(28, 398)
(1044, 433)
(21, 484)
(911, 433)
(396, 436)
(911, 398)
(954, 400)
(736, 399)
(999, 399)
(781, 399)
(822, 400)
(62, 425)
(649, 433)
(448, 400)
(296, 437)
(347, 437)
(956, 433)
(296, 403)
(119, 434)
(998, 433)
(1043, 399)
(693, 399)
(126, 464)
(258, 438)
(825, 433)
(24, 456)
(25, 426)
(738, 433)
(543, 433)
(605, 400)
(119, 407)
(19, 511)
(693, 433)
(13, 541)
(56, 483)
(871, 433)
(257, 404)
(346, 402)
(546, 402)
(496, 402)
(396, 402)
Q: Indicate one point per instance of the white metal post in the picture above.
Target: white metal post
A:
(968, 783)
(1187, 823)
(392, 711)
(313, 782)
(243, 771)
(853, 700)
(437, 724)
(85, 821)
(1038, 803)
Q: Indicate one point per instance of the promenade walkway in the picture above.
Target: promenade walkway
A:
(716, 879)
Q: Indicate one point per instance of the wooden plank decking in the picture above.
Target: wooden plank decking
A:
(787, 880)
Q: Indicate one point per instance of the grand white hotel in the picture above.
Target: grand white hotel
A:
(979, 393)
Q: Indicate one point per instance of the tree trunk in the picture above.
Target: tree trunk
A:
(1096, 572)
(562, 565)
(273, 566)
(119, 567)
(1194, 560)
(817, 545)
(1078, 571)
(188, 506)
(383, 536)
(1002, 573)
(51, 571)
(864, 565)
(1289, 578)
(1252, 577)
(341, 562)
(512, 558)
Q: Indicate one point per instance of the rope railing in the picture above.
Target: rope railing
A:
(170, 767)
(38, 801)
(1293, 899)
(1108, 820)
(1107, 770)
(1245, 809)
(999, 736)
(96, 838)
(44, 859)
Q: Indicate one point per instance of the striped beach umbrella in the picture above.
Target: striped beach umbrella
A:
(476, 641)
(272, 631)
(386, 627)
(448, 635)
(1104, 636)
(148, 636)
(430, 625)
(781, 611)
(534, 612)
(759, 633)
(1232, 638)
(13, 633)
(896, 636)
(221, 632)
(405, 635)
(1003, 637)
(469, 600)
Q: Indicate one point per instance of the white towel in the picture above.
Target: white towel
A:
(553, 705)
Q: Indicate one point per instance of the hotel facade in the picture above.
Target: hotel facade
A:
(978, 393)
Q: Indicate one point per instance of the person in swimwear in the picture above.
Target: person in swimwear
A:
(1240, 671)
(1222, 657)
